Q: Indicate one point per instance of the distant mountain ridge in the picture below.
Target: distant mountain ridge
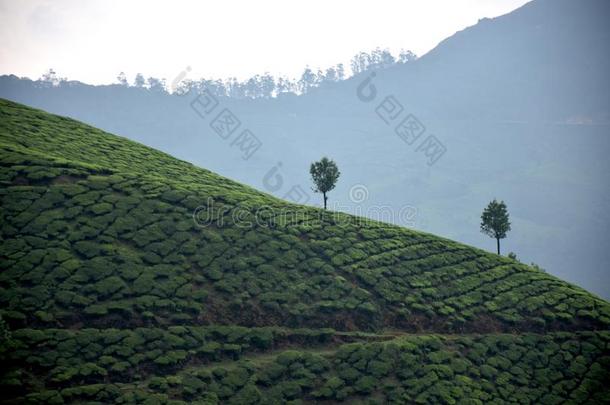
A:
(546, 61)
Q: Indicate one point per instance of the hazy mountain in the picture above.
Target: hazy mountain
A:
(520, 102)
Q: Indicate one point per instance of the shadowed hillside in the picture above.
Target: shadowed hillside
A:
(128, 275)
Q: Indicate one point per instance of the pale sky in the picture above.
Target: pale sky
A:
(92, 41)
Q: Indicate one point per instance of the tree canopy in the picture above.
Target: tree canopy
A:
(324, 174)
(495, 222)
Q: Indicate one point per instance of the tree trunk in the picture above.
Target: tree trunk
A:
(325, 198)
(498, 243)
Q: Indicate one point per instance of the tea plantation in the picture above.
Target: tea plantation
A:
(128, 276)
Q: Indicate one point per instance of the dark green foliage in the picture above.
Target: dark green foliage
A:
(324, 175)
(111, 292)
(495, 222)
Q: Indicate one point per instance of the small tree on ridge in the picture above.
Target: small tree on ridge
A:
(494, 221)
(324, 175)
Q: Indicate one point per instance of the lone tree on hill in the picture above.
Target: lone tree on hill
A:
(324, 175)
(494, 221)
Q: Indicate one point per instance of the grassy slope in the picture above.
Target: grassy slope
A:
(99, 232)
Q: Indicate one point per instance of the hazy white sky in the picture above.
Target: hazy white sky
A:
(94, 40)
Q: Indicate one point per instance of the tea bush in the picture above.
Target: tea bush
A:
(111, 292)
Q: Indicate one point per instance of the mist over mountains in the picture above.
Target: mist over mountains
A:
(520, 103)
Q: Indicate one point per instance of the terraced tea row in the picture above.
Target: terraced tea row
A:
(119, 266)
(123, 246)
(166, 367)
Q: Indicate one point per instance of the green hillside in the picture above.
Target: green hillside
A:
(129, 276)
